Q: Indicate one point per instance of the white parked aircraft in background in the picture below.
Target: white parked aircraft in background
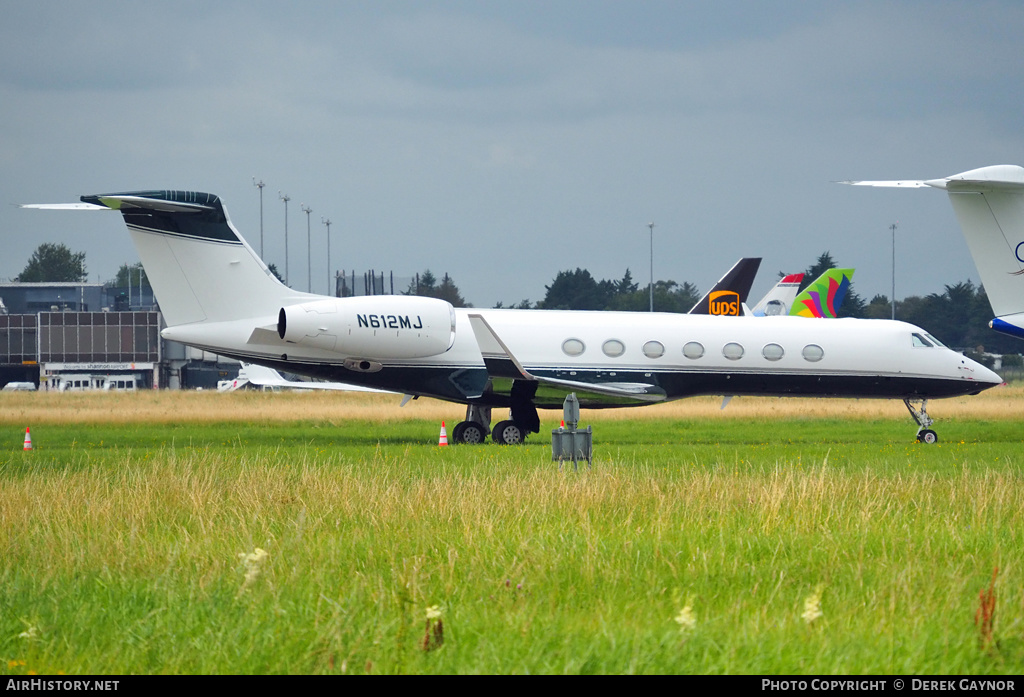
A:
(268, 378)
(777, 301)
(989, 204)
(217, 295)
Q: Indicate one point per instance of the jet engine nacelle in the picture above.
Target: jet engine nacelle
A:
(375, 326)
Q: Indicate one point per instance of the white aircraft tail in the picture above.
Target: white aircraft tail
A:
(200, 267)
(989, 204)
(778, 300)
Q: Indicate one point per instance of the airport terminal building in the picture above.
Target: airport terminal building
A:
(72, 336)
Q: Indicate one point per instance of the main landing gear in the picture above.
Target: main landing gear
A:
(513, 431)
(924, 432)
(475, 428)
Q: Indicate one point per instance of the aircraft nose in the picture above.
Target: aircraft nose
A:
(976, 372)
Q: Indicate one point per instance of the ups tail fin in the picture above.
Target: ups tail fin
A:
(824, 296)
(199, 266)
(730, 293)
(779, 300)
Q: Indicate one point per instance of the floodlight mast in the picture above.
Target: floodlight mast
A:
(892, 228)
(330, 291)
(286, 198)
(259, 185)
(309, 246)
(651, 226)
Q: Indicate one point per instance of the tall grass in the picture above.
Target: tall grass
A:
(120, 546)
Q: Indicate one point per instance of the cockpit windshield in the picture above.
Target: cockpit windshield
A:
(921, 342)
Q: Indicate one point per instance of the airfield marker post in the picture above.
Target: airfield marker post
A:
(568, 442)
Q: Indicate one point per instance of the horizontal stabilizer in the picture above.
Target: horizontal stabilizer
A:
(64, 206)
(895, 184)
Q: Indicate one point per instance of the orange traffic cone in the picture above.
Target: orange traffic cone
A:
(28, 439)
(443, 440)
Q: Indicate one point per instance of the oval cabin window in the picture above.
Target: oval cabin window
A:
(573, 347)
(654, 349)
(773, 352)
(613, 348)
(732, 351)
(813, 353)
(693, 350)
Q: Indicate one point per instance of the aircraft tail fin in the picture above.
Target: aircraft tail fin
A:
(824, 296)
(779, 299)
(199, 266)
(989, 205)
(730, 293)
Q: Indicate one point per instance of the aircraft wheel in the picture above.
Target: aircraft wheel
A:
(928, 436)
(468, 432)
(508, 433)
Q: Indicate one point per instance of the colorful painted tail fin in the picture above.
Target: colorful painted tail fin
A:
(824, 296)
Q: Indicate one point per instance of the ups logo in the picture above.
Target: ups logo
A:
(724, 302)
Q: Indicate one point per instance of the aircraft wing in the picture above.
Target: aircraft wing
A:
(501, 363)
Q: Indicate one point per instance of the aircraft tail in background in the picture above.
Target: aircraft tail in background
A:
(729, 295)
(778, 301)
(989, 204)
(824, 296)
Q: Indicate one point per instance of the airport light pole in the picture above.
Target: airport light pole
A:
(330, 291)
(651, 226)
(309, 254)
(286, 198)
(893, 229)
(259, 185)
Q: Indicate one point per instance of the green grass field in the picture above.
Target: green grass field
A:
(700, 541)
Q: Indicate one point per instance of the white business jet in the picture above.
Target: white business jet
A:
(217, 295)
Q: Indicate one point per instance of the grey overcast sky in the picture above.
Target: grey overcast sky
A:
(502, 142)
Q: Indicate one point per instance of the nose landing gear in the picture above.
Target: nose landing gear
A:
(924, 432)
